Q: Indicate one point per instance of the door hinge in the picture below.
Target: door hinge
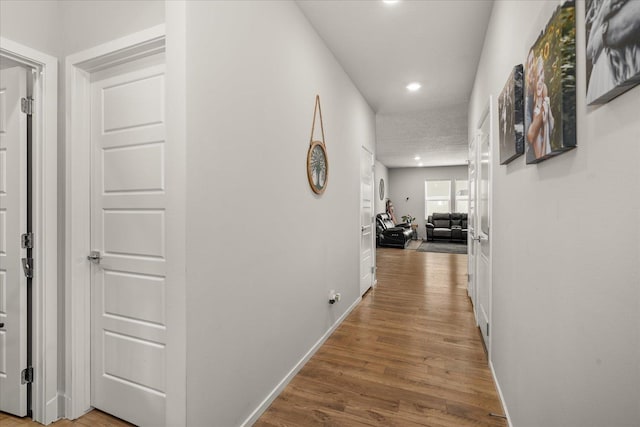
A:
(26, 240)
(27, 267)
(487, 329)
(26, 105)
(373, 269)
(27, 375)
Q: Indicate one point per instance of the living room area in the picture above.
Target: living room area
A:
(433, 200)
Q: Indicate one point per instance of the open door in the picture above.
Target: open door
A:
(13, 223)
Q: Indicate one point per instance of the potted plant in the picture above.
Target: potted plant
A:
(408, 219)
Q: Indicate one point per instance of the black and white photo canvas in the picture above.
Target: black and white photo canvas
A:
(612, 49)
(511, 116)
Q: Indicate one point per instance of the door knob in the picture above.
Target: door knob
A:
(94, 257)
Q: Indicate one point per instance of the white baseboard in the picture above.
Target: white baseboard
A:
(282, 384)
(504, 404)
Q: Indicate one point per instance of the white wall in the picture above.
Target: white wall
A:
(87, 24)
(35, 24)
(263, 250)
(380, 172)
(566, 300)
(409, 183)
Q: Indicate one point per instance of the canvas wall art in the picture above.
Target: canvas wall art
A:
(550, 88)
(612, 49)
(511, 116)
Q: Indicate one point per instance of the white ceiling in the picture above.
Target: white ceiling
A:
(384, 47)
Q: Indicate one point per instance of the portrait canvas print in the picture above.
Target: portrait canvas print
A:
(511, 116)
(612, 49)
(550, 88)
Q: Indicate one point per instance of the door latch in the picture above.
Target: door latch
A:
(94, 257)
(27, 267)
(27, 375)
(26, 241)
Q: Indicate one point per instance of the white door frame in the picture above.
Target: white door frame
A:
(45, 226)
(79, 67)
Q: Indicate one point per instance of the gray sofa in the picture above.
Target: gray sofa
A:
(451, 227)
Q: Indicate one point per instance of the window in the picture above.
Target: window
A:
(437, 197)
(462, 196)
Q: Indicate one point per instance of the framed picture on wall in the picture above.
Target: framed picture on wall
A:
(550, 88)
(317, 159)
(612, 48)
(511, 116)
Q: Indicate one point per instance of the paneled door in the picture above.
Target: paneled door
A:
(482, 227)
(128, 203)
(13, 223)
(367, 259)
(473, 187)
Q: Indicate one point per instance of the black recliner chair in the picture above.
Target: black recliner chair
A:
(390, 234)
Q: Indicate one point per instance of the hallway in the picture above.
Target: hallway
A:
(409, 355)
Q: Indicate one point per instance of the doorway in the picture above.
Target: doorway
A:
(480, 224)
(15, 244)
(28, 234)
(367, 252)
(117, 220)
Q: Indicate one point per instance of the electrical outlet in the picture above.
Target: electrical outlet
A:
(334, 296)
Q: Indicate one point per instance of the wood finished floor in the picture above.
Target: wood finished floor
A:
(408, 355)
(94, 418)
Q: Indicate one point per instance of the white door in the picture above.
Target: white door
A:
(473, 187)
(367, 260)
(128, 202)
(13, 223)
(482, 241)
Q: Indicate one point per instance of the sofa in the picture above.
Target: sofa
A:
(390, 234)
(451, 227)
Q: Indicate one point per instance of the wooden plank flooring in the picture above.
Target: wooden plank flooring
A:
(94, 418)
(408, 355)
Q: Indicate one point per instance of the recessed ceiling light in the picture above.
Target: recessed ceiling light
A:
(416, 158)
(390, 1)
(420, 164)
(414, 86)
